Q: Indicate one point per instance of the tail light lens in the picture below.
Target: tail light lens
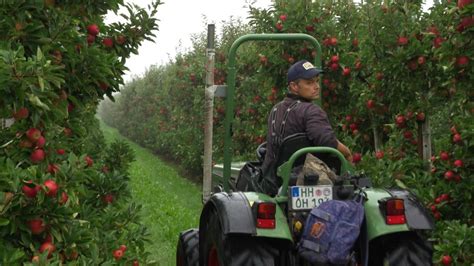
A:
(266, 215)
(395, 211)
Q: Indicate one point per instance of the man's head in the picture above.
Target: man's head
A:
(303, 80)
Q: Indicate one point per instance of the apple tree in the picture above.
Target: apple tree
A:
(64, 192)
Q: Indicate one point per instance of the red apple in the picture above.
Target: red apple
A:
(283, 17)
(36, 226)
(463, 3)
(93, 29)
(33, 134)
(462, 61)
(379, 155)
(30, 190)
(52, 168)
(444, 156)
(457, 138)
(108, 42)
(37, 156)
(346, 71)
(47, 246)
(370, 104)
(358, 65)
(453, 130)
(51, 188)
(421, 60)
(64, 198)
(458, 163)
(448, 175)
(67, 132)
(353, 126)
(355, 42)
(434, 30)
(90, 39)
(109, 198)
(309, 28)
(446, 259)
(408, 134)
(89, 161)
(444, 197)
(400, 119)
(121, 39)
(335, 59)
(118, 254)
(357, 157)
(123, 248)
(437, 42)
(40, 142)
(334, 66)
(21, 113)
(279, 26)
(420, 117)
(60, 151)
(379, 76)
(402, 40)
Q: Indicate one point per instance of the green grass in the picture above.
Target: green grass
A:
(171, 203)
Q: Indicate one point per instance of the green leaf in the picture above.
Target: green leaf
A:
(4, 221)
(37, 102)
(41, 83)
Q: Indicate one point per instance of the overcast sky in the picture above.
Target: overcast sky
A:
(179, 19)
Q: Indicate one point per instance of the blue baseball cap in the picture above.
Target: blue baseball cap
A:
(302, 69)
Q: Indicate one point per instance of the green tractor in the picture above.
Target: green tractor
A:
(250, 228)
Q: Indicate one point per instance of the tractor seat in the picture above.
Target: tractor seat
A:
(297, 141)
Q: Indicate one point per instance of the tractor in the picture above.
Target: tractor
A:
(251, 228)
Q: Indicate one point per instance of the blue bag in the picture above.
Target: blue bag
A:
(331, 230)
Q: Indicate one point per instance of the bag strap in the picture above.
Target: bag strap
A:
(321, 214)
(277, 136)
(317, 247)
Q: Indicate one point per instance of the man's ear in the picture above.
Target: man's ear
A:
(293, 87)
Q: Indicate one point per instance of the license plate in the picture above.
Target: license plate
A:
(308, 197)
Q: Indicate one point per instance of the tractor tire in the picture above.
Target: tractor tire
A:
(187, 253)
(396, 250)
(237, 250)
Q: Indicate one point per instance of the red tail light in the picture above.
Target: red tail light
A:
(266, 215)
(395, 211)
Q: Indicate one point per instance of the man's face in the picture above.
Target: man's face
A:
(306, 88)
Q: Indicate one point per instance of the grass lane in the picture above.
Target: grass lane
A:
(171, 203)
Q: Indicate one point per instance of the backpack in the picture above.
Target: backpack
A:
(331, 230)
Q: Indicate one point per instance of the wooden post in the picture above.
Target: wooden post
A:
(424, 137)
(208, 115)
(377, 138)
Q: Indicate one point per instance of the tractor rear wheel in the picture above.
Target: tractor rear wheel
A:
(397, 250)
(222, 250)
(188, 248)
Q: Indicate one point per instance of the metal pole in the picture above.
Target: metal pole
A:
(208, 115)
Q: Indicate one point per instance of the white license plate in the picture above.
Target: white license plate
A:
(308, 197)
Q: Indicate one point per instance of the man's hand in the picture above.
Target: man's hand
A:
(345, 151)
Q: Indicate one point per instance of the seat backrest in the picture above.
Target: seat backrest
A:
(297, 141)
(290, 145)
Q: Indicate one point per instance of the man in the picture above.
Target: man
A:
(297, 114)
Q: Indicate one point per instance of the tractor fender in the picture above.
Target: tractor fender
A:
(234, 213)
(418, 218)
(376, 225)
